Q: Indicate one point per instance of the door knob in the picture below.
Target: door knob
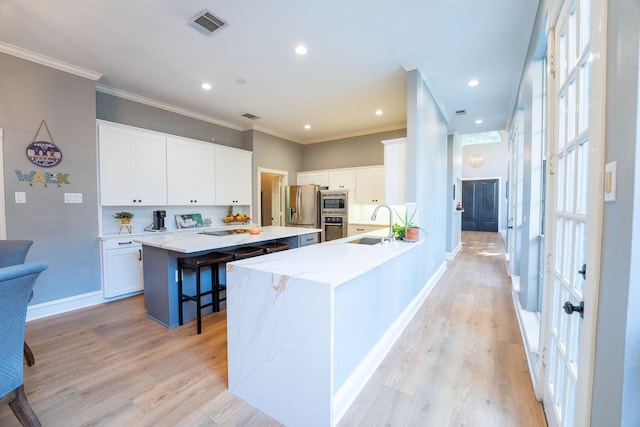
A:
(570, 308)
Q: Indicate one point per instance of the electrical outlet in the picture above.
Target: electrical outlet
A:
(21, 197)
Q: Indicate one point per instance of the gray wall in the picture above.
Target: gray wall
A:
(427, 169)
(617, 366)
(271, 152)
(364, 150)
(64, 235)
(119, 110)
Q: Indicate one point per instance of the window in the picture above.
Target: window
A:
(481, 138)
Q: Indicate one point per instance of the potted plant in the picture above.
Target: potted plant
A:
(407, 229)
(123, 217)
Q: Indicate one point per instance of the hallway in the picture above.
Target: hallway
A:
(460, 362)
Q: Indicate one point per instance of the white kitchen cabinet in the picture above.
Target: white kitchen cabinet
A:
(190, 172)
(132, 166)
(121, 267)
(342, 179)
(355, 229)
(395, 167)
(320, 178)
(370, 185)
(232, 176)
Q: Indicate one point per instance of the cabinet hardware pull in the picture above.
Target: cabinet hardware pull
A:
(139, 254)
(125, 243)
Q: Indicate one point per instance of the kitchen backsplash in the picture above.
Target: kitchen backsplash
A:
(143, 216)
(361, 214)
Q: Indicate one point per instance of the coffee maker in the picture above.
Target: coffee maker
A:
(158, 220)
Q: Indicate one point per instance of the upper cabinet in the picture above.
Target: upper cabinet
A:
(342, 179)
(395, 165)
(370, 185)
(232, 176)
(132, 166)
(320, 178)
(190, 172)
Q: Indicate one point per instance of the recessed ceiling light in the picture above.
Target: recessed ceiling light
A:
(379, 112)
(307, 126)
(206, 86)
(301, 49)
(473, 83)
(479, 121)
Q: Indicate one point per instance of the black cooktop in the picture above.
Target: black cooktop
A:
(225, 232)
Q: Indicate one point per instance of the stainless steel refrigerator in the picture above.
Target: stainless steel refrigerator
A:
(302, 205)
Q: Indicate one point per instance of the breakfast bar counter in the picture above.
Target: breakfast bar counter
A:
(160, 262)
(307, 328)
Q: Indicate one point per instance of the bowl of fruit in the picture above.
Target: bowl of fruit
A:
(236, 218)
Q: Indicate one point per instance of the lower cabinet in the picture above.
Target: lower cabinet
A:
(355, 229)
(308, 239)
(121, 267)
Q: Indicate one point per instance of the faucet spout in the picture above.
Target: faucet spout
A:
(375, 214)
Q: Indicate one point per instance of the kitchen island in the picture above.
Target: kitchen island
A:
(160, 262)
(307, 328)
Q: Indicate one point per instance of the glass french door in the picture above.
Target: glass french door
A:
(575, 209)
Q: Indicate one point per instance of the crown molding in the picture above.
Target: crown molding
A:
(47, 61)
(167, 107)
(419, 66)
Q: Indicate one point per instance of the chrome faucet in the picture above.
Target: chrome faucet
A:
(375, 214)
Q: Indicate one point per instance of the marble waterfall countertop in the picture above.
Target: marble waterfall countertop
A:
(196, 242)
(334, 262)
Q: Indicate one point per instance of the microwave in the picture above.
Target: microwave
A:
(334, 202)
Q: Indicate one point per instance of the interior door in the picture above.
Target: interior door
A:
(480, 201)
(575, 209)
(276, 200)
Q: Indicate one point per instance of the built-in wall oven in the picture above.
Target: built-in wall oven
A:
(334, 227)
(334, 208)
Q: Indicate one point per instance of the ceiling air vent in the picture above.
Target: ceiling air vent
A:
(250, 116)
(206, 23)
(461, 112)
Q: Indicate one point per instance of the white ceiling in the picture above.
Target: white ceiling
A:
(144, 49)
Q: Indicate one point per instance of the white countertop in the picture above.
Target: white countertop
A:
(335, 262)
(194, 242)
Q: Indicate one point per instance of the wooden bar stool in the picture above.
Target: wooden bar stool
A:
(245, 252)
(212, 260)
(272, 247)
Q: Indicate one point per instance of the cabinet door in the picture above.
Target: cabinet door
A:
(132, 167)
(342, 180)
(190, 172)
(370, 185)
(315, 178)
(116, 163)
(150, 169)
(395, 166)
(122, 270)
(232, 176)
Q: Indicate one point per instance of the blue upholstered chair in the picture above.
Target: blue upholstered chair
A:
(16, 283)
(13, 252)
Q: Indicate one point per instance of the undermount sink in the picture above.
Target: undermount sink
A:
(367, 241)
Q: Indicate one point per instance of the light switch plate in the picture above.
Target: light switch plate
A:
(73, 197)
(21, 197)
(610, 181)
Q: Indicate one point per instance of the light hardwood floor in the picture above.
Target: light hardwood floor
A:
(459, 363)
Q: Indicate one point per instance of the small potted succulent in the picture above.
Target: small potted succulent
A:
(407, 229)
(123, 217)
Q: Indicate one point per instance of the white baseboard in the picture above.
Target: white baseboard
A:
(50, 308)
(358, 379)
(451, 255)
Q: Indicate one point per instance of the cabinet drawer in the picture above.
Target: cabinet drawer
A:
(121, 244)
(308, 239)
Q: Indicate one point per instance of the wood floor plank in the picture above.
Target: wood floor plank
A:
(459, 362)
